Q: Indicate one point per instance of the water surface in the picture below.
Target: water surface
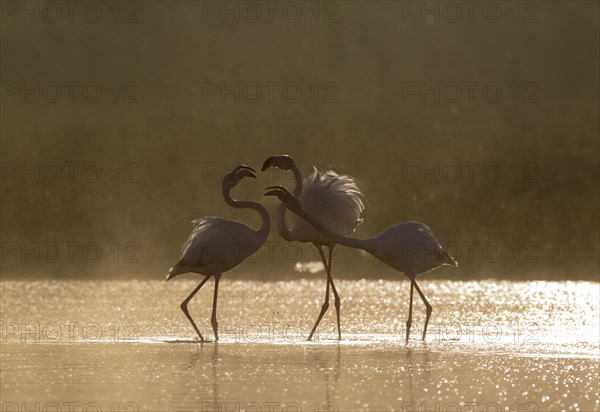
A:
(126, 345)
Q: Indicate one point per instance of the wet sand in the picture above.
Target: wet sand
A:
(527, 346)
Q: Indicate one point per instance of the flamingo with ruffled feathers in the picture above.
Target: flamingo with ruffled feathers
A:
(409, 247)
(217, 245)
(336, 201)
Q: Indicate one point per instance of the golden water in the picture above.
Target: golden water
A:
(125, 345)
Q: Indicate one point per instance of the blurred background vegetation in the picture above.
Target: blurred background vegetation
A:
(163, 146)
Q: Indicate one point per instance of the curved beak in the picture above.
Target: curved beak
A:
(279, 187)
(240, 167)
(274, 192)
(279, 191)
(267, 163)
(246, 172)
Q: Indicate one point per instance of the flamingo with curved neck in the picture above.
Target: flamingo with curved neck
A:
(409, 247)
(208, 249)
(336, 201)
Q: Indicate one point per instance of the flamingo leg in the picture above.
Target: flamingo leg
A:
(409, 321)
(326, 303)
(185, 309)
(336, 297)
(427, 305)
(213, 319)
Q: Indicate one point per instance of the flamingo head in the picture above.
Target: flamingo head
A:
(290, 201)
(283, 162)
(236, 175)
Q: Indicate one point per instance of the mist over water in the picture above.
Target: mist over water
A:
(409, 108)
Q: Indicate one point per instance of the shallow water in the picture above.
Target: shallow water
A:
(125, 345)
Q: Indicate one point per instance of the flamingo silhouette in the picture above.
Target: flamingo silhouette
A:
(217, 245)
(409, 247)
(336, 201)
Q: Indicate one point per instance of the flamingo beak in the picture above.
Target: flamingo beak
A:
(244, 167)
(244, 171)
(282, 162)
(274, 187)
(267, 163)
(278, 191)
(273, 193)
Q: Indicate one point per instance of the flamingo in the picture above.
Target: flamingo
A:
(217, 245)
(336, 201)
(409, 247)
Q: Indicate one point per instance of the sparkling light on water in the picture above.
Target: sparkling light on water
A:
(531, 345)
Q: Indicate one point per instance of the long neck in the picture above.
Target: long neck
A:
(249, 204)
(298, 177)
(282, 228)
(364, 244)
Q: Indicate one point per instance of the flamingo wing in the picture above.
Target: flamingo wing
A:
(334, 200)
(411, 247)
(217, 245)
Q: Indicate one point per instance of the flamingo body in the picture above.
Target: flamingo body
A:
(335, 201)
(216, 245)
(408, 247)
